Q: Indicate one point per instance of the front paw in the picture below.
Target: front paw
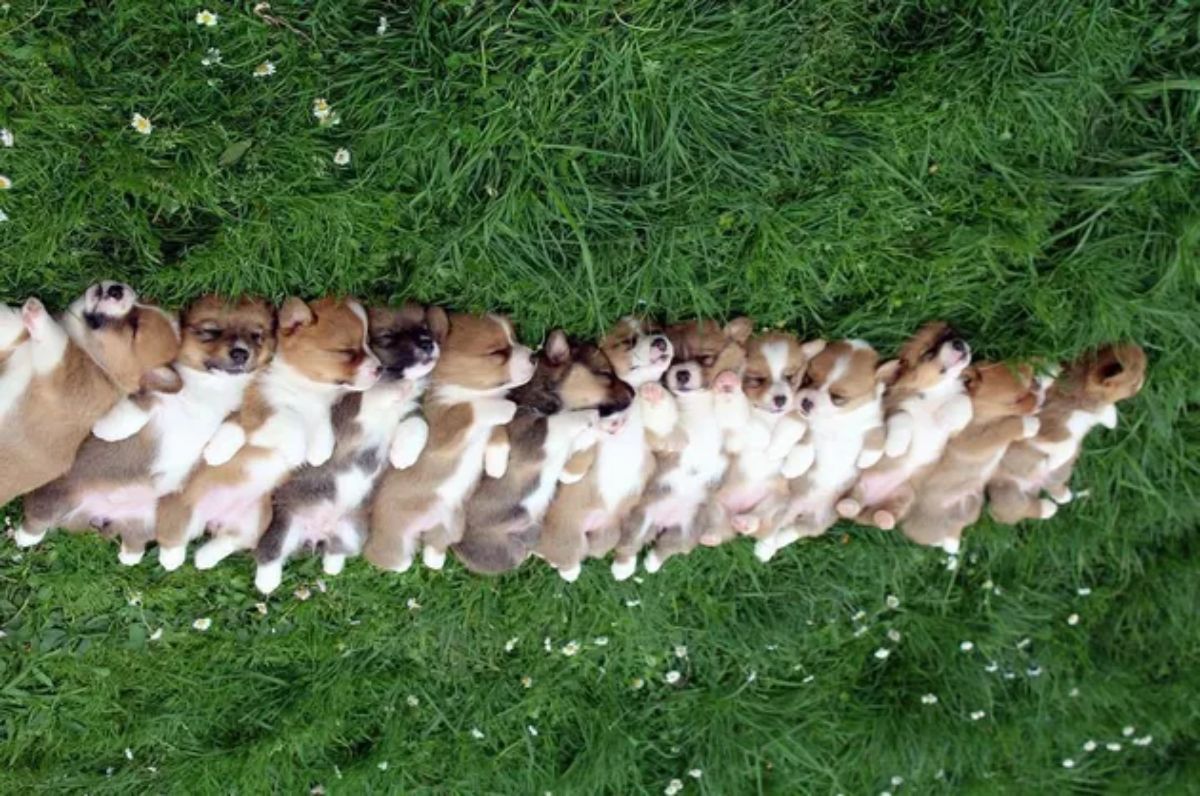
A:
(898, 442)
(652, 393)
(35, 319)
(319, 451)
(228, 440)
(869, 457)
(1029, 427)
(798, 462)
(495, 461)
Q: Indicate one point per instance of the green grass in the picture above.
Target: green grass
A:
(1026, 170)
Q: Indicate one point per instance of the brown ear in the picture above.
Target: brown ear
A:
(811, 348)
(161, 379)
(558, 348)
(438, 322)
(293, 314)
(739, 329)
(888, 372)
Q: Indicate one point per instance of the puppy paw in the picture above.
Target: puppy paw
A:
(798, 461)
(405, 452)
(319, 451)
(172, 558)
(884, 520)
(652, 393)
(1061, 495)
(333, 563)
(571, 573)
(228, 440)
(652, 563)
(764, 550)
(267, 578)
(433, 558)
(495, 460)
(130, 558)
(35, 318)
(1030, 426)
(623, 569)
(869, 457)
(1047, 508)
(848, 508)
(24, 538)
(746, 523)
(569, 476)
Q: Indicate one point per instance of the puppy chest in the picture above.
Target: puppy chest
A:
(620, 465)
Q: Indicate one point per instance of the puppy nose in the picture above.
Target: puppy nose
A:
(115, 292)
(239, 355)
(683, 376)
(780, 400)
(959, 346)
(659, 343)
(806, 405)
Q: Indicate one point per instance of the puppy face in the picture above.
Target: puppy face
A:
(572, 376)
(935, 355)
(227, 337)
(326, 341)
(482, 354)
(775, 366)
(406, 339)
(1000, 390)
(130, 340)
(703, 350)
(840, 379)
(1114, 372)
(638, 350)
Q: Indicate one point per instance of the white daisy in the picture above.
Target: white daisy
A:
(342, 156)
(672, 677)
(809, 679)
(382, 27)
(302, 593)
(531, 730)
(128, 753)
(1073, 619)
(976, 715)
(206, 18)
(477, 733)
(412, 604)
(265, 69)
(897, 781)
(861, 630)
(546, 645)
(882, 653)
(632, 603)
(202, 624)
(929, 699)
(637, 684)
(892, 601)
(526, 681)
(141, 124)
(1068, 763)
(511, 644)
(571, 648)
(1143, 741)
(321, 109)
(673, 787)
(988, 585)
(680, 651)
(6, 138)
(991, 667)
(1083, 591)
(967, 646)
(859, 616)
(212, 57)
(3, 218)
(1074, 692)
(383, 766)
(752, 676)
(1128, 730)
(412, 701)
(156, 635)
(695, 773)
(5, 183)
(600, 641)
(894, 636)
(1089, 746)
(1112, 746)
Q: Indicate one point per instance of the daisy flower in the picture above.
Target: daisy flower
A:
(680, 651)
(976, 715)
(321, 109)
(882, 653)
(412, 701)
(477, 733)
(302, 593)
(206, 18)
(5, 183)
(1073, 619)
(1068, 763)
(383, 26)
(695, 773)
(156, 635)
(1128, 730)
(673, 787)
(202, 624)
(1083, 591)
(894, 636)
(571, 648)
(967, 646)
(6, 138)
(383, 766)
(637, 684)
(532, 730)
(1112, 746)
(511, 644)
(1089, 746)
(265, 69)
(412, 604)
(897, 781)
(929, 699)
(671, 677)
(141, 124)
(526, 681)
(211, 57)
(341, 157)
(892, 602)
(1143, 741)
(600, 641)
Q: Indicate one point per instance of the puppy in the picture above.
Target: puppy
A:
(708, 359)
(146, 447)
(584, 519)
(423, 505)
(1083, 397)
(841, 398)
(1004, 401)
(284, 422)
(572, 389)
(755, 490)
(326, 507)
(16, 362)
(106, 346)
(926, 404)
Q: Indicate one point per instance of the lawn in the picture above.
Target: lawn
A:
(1026, 170)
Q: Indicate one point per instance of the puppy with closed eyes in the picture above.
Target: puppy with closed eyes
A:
(926, 404)
(147, 445)
(602, 485)
(1084, 396)
(572, 389)
(841, 398)
(326, 508)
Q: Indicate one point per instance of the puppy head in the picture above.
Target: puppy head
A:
(1000, 390)
(1113, 372)
(133, 342)
(326, 342)
(572, 376)
(638, 350)
(481, 354)
(703, 350)
(227, 337)
(841, 378)
(775, 365)
(407, 339)
(935, 355)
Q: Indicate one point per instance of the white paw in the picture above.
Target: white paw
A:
(623, 569)
(35, 318)
(1062, 496)
(799, 461)
(571, 574)
(869, 457)
(1048, 508)
(24, 538)
(495, 460)
(228, 440)
(652, 563)
(433, 558)
(764, 550)
(211, 553)
(130, 558)
(172, 558)
(267, 578)
(405, 452)
(951, 545)
(333, 563)
(1030, 426)
(848, 508)
(898, 443)
(319, 450)
(569, 477)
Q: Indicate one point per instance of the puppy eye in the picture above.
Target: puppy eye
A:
(806, 382)
(383, 340)
(208, 335)
(928, 355)
(351, 354)
(256, 337)
(501, 354)
(837, 399)
(755, 381)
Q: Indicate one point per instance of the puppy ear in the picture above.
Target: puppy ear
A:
(295, 313)
(811, 348)
(888, 372)
(161, 379)
(739, 329)
(971, 380)
(438, 322)
(558, 348)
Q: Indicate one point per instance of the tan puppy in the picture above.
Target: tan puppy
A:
(841, 397)
(572, 388)
(149, 444)
(584, 519)
(926, 404)
(708, 359)
(1004, 401)
(284, 422)
(423, 505)
(105, 347)
(1083, 397)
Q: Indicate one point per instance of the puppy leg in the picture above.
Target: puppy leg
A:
(1010, 504)
(899, 435)
(122, 421)
(277, 544)
(495, 455)
(409, 442)
(872, 450)
(48, 340)
(214, 551)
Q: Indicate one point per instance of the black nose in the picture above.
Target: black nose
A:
(683, 376)
(959, 346)
(116, 292)
(780, 400)
(659, 343)
(425, 343)
(806, 405)
(239, 355)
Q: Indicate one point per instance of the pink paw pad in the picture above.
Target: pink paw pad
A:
(33, 315)
(652, 392)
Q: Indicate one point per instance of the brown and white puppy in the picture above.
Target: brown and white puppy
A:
(584, 519)
(926, 404)
(481, 361)
(754, 490)
(573, 388)
(284, 422)
(148, 444)
(326, 508)
(1004, 403)
(1084, 396)
(841, 397)
(708, 359)
(106, 346)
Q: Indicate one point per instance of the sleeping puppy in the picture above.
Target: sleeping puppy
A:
(572, 389)
(148, 444)
(841, 398)
(708, 359)
(1004, 401)
(755, 490)
(1084, 396)
(926, 404)
(106, 346)
(423, 505)
(284, 422)
(326, 507)
(584, 519)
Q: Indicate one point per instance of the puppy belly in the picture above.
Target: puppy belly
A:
(135, 503)
(878, 487)
(232, 509)
(318, 524)
(743, 498)
(676, 510)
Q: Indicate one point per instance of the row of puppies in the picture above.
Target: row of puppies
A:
(398, 431)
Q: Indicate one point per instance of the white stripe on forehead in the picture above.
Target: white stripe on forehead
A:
(506, 325)
(839, 369)
(857, 344)
(776, 355)
(358, 310)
